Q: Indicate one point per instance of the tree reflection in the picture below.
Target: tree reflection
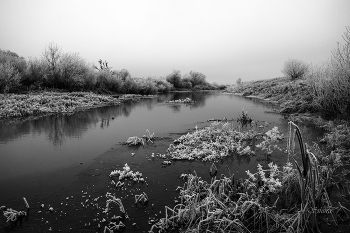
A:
(175, 107)
(59, 128)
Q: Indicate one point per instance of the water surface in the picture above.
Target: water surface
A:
(53, 157)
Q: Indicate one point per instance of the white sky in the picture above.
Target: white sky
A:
(223, 39)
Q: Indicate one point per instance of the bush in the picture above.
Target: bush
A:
(68, 71)
(175, 78)
(295, 69)
(130, 86)
(9, 77)
(197, 78)
(104, 80)
(148, 86)
(35, 75)
(14, 60)
(330, 83)
(72, 71)
(163, 85)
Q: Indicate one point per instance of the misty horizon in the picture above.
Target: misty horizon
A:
(224, 40)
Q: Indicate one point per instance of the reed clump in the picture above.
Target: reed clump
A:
(270, 200)
(245, 119)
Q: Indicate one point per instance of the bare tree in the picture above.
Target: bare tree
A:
(341, 55)
(51, 56)
(295, 69)
(9, 77)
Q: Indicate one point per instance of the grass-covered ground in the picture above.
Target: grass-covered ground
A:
(15, 106)
(292, 96)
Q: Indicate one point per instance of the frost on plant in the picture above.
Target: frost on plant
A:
(135, 141)
(126, 173)
(215, 142)
(265, 181)
(271, 136)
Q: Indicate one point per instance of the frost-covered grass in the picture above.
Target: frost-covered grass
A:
(273, 199)
(182, 101)
(292, 96)
(24, 105)
(211, 143)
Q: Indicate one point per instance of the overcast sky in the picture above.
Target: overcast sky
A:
(223, 39)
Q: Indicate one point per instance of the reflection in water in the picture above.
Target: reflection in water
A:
(175, 107)
(61, 141)
(62, 127)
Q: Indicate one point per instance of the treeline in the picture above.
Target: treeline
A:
(192, 81)
(56, 69)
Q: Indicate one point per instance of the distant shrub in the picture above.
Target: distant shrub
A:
(203, 87)
(35, 76)
(163, 85)
(187, 84)
(72, 71)
(56, 69)
(222, 87)
(197, 78)
(104, 80)
(295, 69)
(123, 74)
(130, 86)
(239, 81)
(175, 78)
(148, 86)
(89, 80)
(14, 60)
(9, 77)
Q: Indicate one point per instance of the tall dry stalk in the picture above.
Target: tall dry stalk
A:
(313, 194)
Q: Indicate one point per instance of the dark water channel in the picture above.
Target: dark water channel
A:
(64, 161)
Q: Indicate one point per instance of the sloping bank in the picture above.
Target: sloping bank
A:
(291, 96)
(24, 106)
(299, 101)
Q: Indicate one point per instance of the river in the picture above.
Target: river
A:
(64, 161)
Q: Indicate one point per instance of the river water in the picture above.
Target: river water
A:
(64, 161)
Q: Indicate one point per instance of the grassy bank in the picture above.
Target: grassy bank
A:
(291, 96)
(37, 104)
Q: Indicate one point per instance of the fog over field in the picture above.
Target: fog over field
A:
(225, 40)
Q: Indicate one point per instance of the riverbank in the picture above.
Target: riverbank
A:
(32, 105)
(299, 102)
(291, 96)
